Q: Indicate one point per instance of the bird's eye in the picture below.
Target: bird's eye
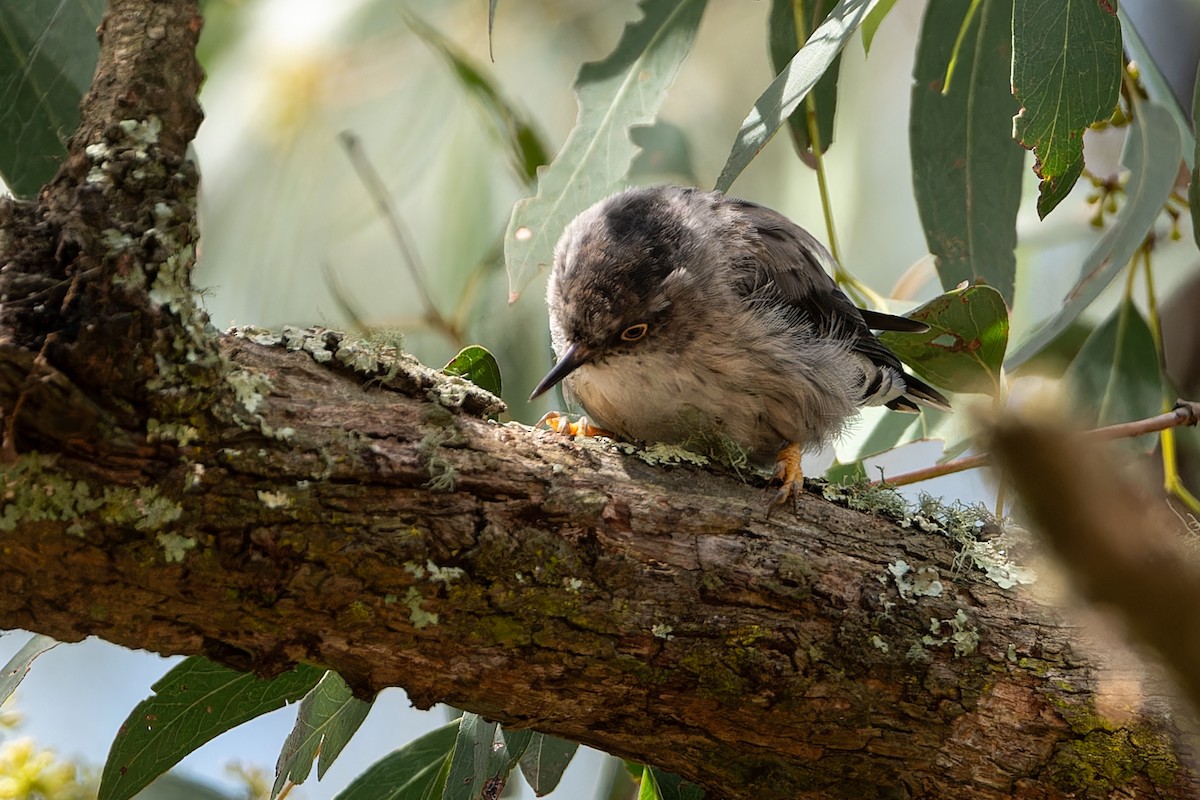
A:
(635, 332)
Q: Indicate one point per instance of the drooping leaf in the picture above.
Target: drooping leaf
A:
(963, 350)
(870, 25)
(417, 771)
(966, 167)
(1194, 186)
(663, 149)
(623, 90)
(522, 142)
(48, 52)
(790, 22)
(477, 365)
(328, 716)
(1152, 154)
(192, 704)
(484, 756)
(544, 761)
(1157, 85)
(1116, 374)
(788, 90)
(18, 666)
(658, 784)
(1066, 73)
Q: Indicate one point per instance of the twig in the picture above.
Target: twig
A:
(1186, 412)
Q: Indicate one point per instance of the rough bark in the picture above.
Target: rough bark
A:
(265, 499)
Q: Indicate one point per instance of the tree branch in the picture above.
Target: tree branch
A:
(264, 499)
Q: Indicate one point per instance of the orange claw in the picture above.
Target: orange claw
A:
(789, 474)
(560, 423)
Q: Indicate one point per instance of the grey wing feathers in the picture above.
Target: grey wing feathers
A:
(796, 264)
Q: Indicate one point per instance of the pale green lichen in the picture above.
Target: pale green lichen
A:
(922, 582)
(174, 546)
(274, 500)
(250, 387)
(963, 635)
(180, 433)
(662, 631)
(659, 454)
(878, 643)
(419, 617)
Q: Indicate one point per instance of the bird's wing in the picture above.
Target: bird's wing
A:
(789, 265)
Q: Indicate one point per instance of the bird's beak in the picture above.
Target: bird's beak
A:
(575, 357)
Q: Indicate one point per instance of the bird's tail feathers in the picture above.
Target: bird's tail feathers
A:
(917, 394)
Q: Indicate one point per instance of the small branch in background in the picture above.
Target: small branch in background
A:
(383, 201)
(1185, 412)
(1118, 542)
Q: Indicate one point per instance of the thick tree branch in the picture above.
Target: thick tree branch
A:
(262, 500)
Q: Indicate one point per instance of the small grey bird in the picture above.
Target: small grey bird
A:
(675, 311)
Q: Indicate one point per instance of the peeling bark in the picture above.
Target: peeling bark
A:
(262, 500)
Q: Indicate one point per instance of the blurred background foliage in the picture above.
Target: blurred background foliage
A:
(293, 232)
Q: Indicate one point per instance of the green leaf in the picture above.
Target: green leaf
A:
(870, 25)
(417, 771)
(963, 350)
(468, 776)
(47, 57)
(1157, 85)
(966, 167)
(193, 704)
(663, 150)
(623, 90)
(1194, 186)
(328, 716)
(657, 784)
(784, 41)
(545, 760)
(478, 366)
(514, 128)
(854, 472)
(18, 666)
(1066, 73)
(788, 90)
(1152, 154)
(1116, 373)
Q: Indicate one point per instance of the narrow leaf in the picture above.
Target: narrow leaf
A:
(663, 150)
(47, 59)
(672, 787)
(416, 771)
(1066, 73)
(477, 365)
(623, 90)
(18, 666)
(963, 350)
(966, 167)
(1157, 85)
(513, 127)
(193, 703)
(328, 716)
(1116, 373)
(1194, 186)
(790, 23)
(545, 760)
(469, 763)
(870, 25)
(788, 90)
(1152, 154)
(647, 789)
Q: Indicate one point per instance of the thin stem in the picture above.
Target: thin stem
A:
(958, 41)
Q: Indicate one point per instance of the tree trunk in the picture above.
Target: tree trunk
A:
(264, 499)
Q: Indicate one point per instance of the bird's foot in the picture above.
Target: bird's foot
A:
(561, 423)
(788, 474)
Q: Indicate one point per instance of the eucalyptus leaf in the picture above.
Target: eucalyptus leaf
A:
(328, 717)
(1152, 154)
(1194, 185)
(544, 761)
(1116, 373)
(417, 771)
(468, 775)
(1066, 73)
(790, 23)
(523, 144)
(623, 90)
(963, 350)
(792, 85)
(1157, 85)
(658, 784)
(966, 167)
(47, 59)
(17, 667)
(192, 704)
(479, 366)
(870, 25)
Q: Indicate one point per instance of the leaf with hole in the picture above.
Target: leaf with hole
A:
(192, 704)
(1066, 73)
(327, 718)
(963, 350)
(623, 90)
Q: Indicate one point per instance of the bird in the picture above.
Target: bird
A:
(676, 311)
